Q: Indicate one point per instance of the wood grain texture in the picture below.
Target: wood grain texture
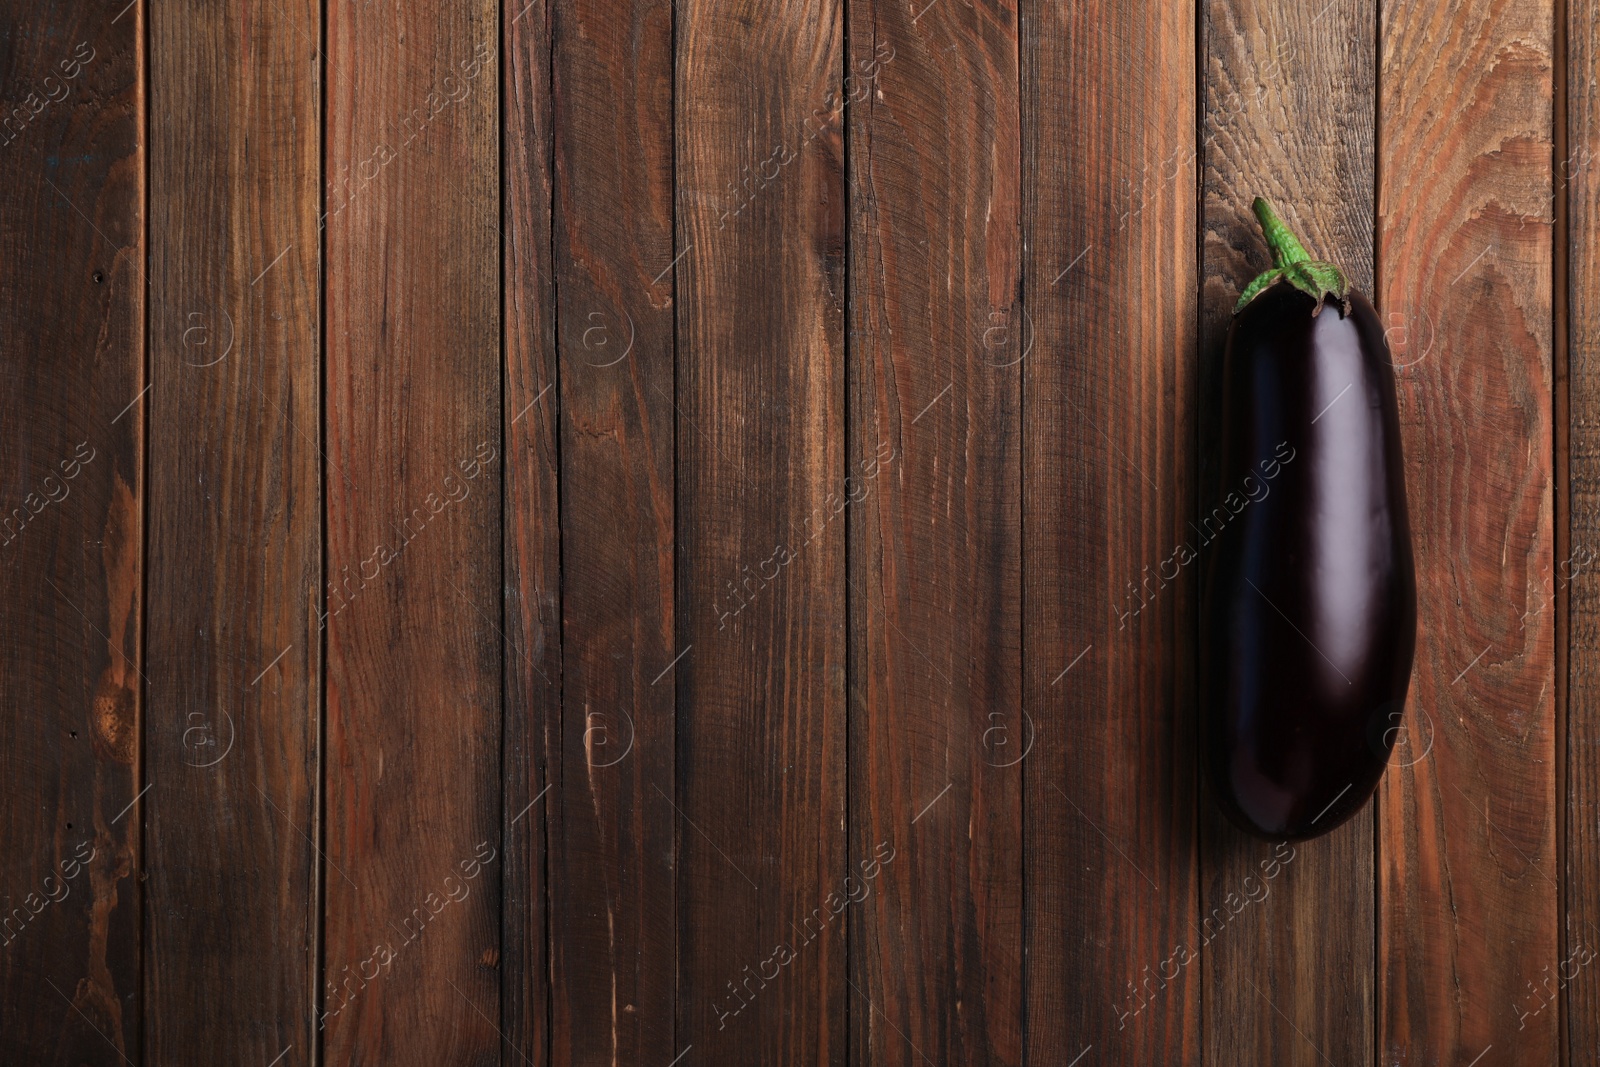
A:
(665, 519)
(1577, 190)
(413, 422)
(1467, 851)
(1290, 105)
(613, 924)
(937, 734)
(233, 648)
(760, 792)
(71, 490)
(532, 532)
(1107, 493)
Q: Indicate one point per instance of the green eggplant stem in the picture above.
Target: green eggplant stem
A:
(1291, 263)
(1286, 247)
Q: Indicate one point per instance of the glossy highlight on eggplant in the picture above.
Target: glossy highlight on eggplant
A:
(1307, 595)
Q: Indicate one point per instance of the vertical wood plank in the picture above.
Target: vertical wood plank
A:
(1468, 892)
(760, 812)
(1290, 98)
(233, 648)
(937, 734)
(1110, 220)
(71, 541)
(1577, 183)
(413, 420)
(613, 925)
(532, 533)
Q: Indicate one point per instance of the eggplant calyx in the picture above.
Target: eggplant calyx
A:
(1291, 262)
(1262, 280)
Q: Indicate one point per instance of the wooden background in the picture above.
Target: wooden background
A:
(589, 531)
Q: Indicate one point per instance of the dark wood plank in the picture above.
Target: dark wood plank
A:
(71, 540)
(760, 795)
(413, 419)
(1290, 100)
(1577, 198)
(613, 927)
(233, 648)
(532, 532)
(1467, 836)
(935, 513)
(1107, 493)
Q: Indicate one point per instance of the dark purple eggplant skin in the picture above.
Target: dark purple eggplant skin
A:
(1308, 604)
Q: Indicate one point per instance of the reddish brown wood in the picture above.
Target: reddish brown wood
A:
(233, 648)
(603, 330)
(414, 440)
(937, 344)
(613, 928)
(71, 540)
(1108, 468)
(1467, 850)
(1577, 194)
(532, 611)
(760, 661)
(1290, 104)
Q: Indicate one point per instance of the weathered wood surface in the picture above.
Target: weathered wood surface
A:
(233, 647)
(1468, 869)
(531, 633)
(647, 537)
(72, 300)
(413, 470)
(1108, 470)
(932, 496)
(1567, 985)
(1575, 201)
(759, 666)
(613, 928)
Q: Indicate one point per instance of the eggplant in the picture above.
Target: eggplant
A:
(1308, 612)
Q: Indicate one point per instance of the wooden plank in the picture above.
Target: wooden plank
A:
(1107, 481)
(1577, 202)
(759, 667)
(413, 419)
(532, 532)
(71, 490)
(1467, 851)
(935, 533)
(233, 648)
(1290, 101)
(613, 926)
